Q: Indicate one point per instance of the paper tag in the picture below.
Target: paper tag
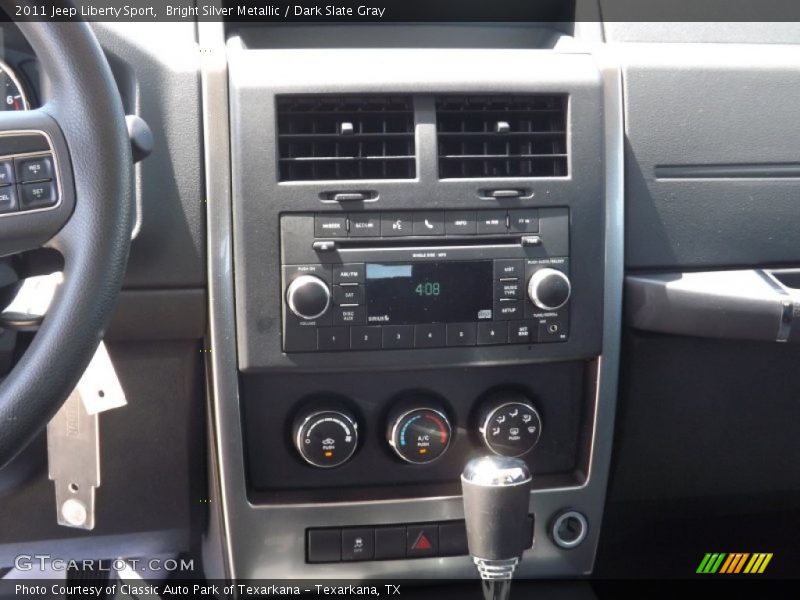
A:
(99, 387)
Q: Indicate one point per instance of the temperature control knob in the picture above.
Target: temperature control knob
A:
(308, 297)
(326, 438)
(549, 289)
(509, 424)
(420, 435)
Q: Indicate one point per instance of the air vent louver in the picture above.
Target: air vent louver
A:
(345, 137)
(502, 136)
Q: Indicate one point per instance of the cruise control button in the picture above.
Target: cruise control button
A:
(348, 294)
(365, 338)
(8, 199)
(429, 223)
(509, 268)
(37, 195)
(492, 333)
(523, 221)
(333, 338)
(349, 273)
(460, 223)
(6, 172)
(461, 334)
(349, 315)
(492, 221)
(429, 336)
(327, 226)
(398, 336)
(365, 225)
(396, 224)
(38, 168)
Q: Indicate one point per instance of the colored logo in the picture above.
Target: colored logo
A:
(733, 563)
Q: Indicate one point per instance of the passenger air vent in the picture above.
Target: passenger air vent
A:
(345, 137)
(502, 136)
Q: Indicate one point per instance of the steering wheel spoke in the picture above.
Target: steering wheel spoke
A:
(36, 188)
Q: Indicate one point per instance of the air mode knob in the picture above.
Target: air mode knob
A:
(509, 424)
(308, 297)
(549, 289)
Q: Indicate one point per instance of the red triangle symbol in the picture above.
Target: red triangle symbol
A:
(422, 543)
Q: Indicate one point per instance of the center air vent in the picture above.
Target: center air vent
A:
(502, 136)
(345, 137)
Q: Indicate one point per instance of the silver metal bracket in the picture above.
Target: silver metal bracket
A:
(73, 441)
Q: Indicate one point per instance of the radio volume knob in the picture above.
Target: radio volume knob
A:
(308, 297)
(549, 289)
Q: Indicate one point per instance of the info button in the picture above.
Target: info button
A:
(460, 223)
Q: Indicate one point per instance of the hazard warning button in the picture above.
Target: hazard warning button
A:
(422, 540)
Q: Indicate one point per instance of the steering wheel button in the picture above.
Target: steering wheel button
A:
(38, 168)
(37, 195)
(6, 172)
(8, 199)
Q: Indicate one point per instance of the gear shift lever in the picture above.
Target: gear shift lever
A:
(496, 491)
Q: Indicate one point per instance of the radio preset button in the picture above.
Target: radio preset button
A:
(349, 273)
(509, 268)
(349, 294)
(365, 225)
(333, 338)
(460, 223)
(396, 224)
(461, 334)
(365, 338)
(492, 221)
(429, 335)
(510, 289)
(523, 221)
(398, 336)
(327, 226)
(429, 223)
(349, 315)
(492, 333)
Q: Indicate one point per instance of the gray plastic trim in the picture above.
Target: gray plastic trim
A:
(740, 305)
(266, 541)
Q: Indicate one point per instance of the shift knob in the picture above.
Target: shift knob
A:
(496, 492)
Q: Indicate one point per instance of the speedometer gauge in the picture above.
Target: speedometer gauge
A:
(13, 95)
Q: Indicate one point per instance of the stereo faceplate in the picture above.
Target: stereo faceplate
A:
(432, 279)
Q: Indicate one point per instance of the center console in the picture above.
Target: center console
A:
(420, 268)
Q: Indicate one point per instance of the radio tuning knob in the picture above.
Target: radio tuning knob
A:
(308, 297)
(549, 289)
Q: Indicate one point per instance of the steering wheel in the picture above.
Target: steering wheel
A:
(80, 204)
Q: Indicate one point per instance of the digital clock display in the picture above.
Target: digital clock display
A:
(429, 292)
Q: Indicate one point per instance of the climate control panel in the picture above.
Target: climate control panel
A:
(420, 432)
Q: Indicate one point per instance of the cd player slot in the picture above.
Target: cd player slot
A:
(423, 242)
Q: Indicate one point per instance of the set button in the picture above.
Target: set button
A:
(35, 187)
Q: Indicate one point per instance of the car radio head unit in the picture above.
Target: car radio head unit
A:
(389, 281)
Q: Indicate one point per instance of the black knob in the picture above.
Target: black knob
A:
(420, 435)
(326, 438)
(509, 424)
(496, 493)
(308, 297)
(549, 289)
